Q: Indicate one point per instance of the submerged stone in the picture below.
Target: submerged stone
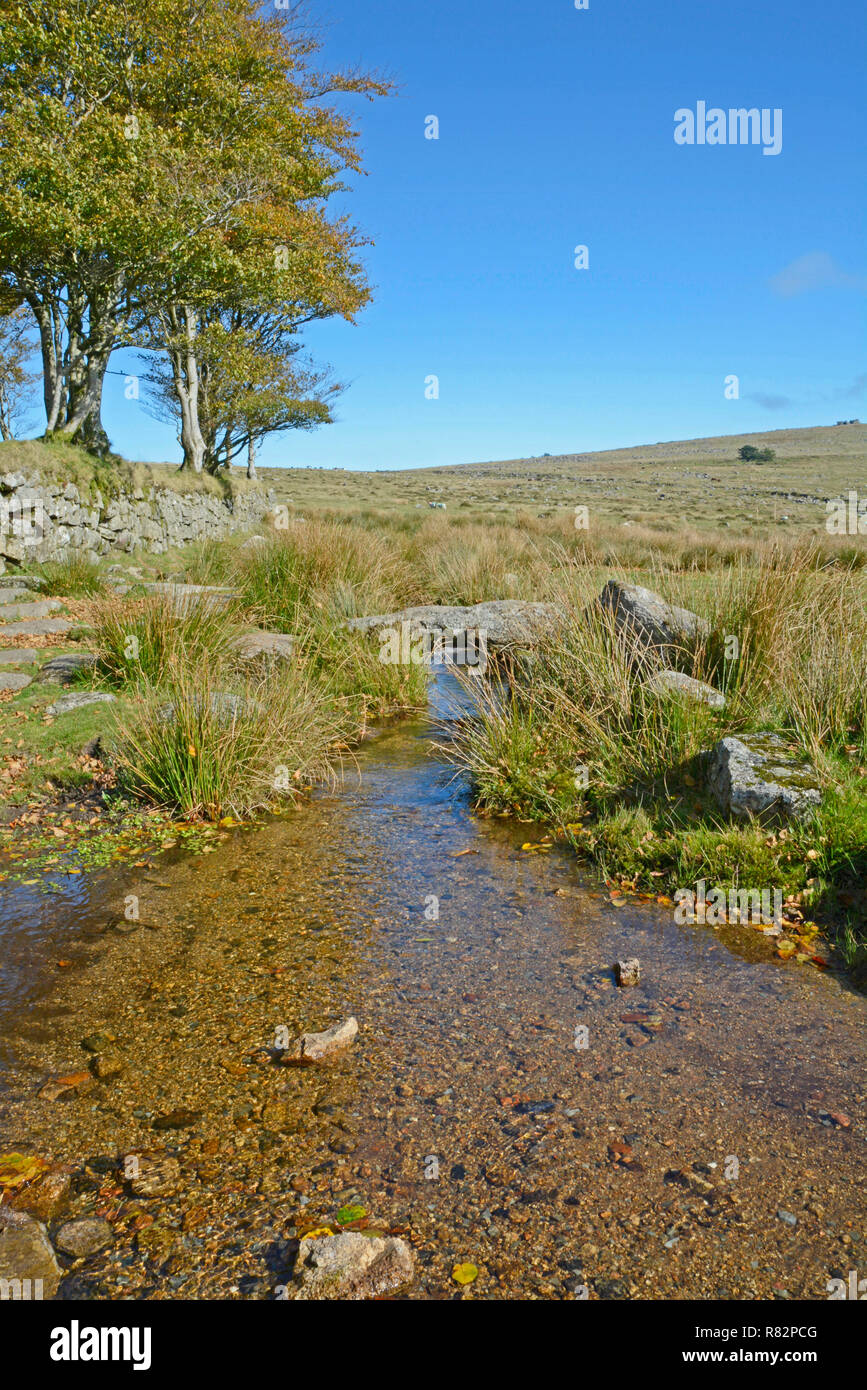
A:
(352, 1266)
(28, 1265)
(313, 1047)
(627, 972)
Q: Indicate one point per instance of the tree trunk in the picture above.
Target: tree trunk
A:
(185, 372)
(84, 413)
(53, 385)
(251, 457)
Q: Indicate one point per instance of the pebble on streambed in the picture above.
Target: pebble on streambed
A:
(627, 972)
(314, 1047)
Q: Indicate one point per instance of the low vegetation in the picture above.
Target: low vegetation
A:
(578, 742)
(573, 741)
(139, 640)
(203, 752)
(75, 576)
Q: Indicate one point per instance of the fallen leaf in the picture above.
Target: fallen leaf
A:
(349, 1214)
(17, 1169)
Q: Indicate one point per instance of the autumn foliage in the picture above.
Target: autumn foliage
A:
(168, 173)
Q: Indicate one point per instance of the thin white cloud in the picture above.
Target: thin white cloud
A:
(815, 271)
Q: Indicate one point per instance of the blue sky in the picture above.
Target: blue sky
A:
(556, 129)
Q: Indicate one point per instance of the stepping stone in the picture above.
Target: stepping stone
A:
(15, 612)
(498, 623)
(62, 670)
(37, 627)
(269, 646)
(16, 595)
(185, 595)
(14, 680)
(80, 699)
(18, 656)
(20, 581)
(676, 683)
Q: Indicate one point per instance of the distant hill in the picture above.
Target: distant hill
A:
(684, 485)
(817, 441)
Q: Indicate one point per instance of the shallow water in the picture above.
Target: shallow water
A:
(464, 1114)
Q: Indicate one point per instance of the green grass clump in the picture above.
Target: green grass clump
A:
(138, 641)
(75, 576)
(322, 571)
(189, 749)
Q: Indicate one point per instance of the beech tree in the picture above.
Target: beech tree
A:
(16, 380)
(251, 382)
(160, 162)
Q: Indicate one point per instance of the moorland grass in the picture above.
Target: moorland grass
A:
(576, 739)
(187, 748)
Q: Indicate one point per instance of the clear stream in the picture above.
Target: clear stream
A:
(729, 1083)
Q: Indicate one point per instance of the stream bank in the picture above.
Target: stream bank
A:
(707, 1141)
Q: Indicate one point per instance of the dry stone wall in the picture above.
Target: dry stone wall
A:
(40, 520)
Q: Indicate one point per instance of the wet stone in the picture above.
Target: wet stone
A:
(106, 1065)
(627, 972)
(352, 1266)
(315, 1047)
(151, 1175)
(79, 1239)
(47, 1197)
(28, 1265)
(178, 1119)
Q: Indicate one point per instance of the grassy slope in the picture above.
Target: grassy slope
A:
(703, 484)
(61, 463)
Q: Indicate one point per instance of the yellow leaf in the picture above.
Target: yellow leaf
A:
(319, 1231)
(16, 1169)
(465, 1273)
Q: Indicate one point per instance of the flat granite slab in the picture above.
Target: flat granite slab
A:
(80, 699)
(14, 680)
(14, 612)
(37, 627)
(18, 656)
(18, 594)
